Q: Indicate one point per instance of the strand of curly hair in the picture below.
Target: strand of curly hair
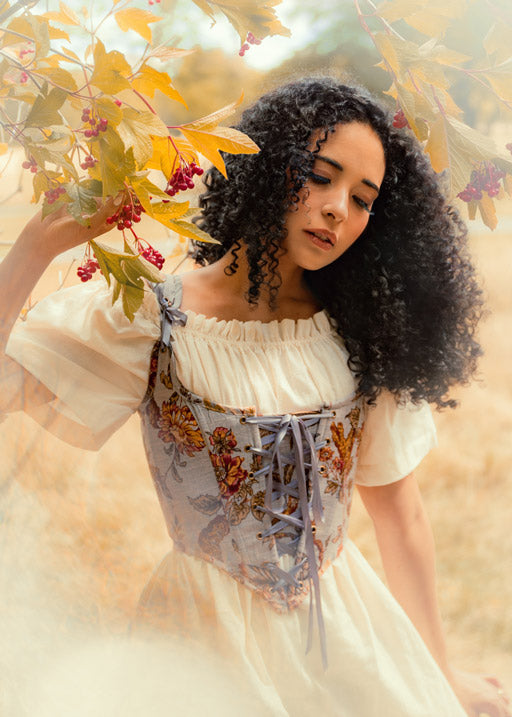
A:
(404, 297)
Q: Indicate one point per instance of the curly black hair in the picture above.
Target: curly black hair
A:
(404, 297)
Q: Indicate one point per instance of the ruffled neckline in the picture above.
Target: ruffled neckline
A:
(277, 330)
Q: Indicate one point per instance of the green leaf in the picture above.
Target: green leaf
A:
(132, 298)
(45, 110)
(83, 199)
(115, 163)
(110, 261)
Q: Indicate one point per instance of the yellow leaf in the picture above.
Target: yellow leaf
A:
(148, 80)
(66, 16)
(443, 96)
(428, 23)
(59, 77)
(164, 53)
(166, 213)
(455, 146)
(136, 128)
(388, 52)
(446, 56)
(247, 16)
(500, 79)
(472, 206)
(110, 70)
(55, 33)
(497, 41)
(137, 20)
(212, 120)
(424, 15)
(398, 9)
(225, 139)
(3, 148)
(145, 189)
(69, 53)
(107, 108)
(488, 211)
(187, 229)
(437, 145)
(164, 156)
(507, 183)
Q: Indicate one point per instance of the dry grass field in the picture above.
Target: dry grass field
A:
(81, 532)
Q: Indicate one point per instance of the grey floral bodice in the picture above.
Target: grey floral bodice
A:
(265, 498)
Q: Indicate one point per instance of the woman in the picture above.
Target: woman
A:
(297, 362)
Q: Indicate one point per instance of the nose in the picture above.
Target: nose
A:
(336, 207)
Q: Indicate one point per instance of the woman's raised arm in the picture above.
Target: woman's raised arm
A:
(38, 244)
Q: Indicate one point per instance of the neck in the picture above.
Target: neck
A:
(292, 286)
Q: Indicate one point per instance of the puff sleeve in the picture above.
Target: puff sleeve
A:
(93, 359)
(395, 439)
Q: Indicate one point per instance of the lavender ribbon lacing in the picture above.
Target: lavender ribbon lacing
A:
(299, 429)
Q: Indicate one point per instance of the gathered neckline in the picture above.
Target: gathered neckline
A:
(254, 330)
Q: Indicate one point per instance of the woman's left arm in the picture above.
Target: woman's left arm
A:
(407, 549)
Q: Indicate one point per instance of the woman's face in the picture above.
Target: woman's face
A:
(336, 201)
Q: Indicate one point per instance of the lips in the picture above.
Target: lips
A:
(322, 237)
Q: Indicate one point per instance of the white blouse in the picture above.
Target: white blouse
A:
(95, 361)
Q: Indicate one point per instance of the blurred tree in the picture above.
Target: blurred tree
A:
(210, 77)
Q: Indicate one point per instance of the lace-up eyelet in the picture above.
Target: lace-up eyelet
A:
(247, 448)
(259, 536)
(322, 470)
(243, 419)
(250, 474)
(327, 441)
(313, 529)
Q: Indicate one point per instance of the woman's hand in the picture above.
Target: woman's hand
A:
(480, 695)
(59, 231)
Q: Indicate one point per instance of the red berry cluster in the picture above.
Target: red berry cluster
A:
(486, 179)
(25, 51)
(400, 120)
(87, 269)
(30, 164)
(150, 253)
(128, 213)
(88, 162)
(118, 103)
(152, 2)
(182, 178)
(23, 78)
(251, 40)
(97, 125)
(53, 194)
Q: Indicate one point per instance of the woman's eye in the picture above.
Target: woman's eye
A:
(318, 179)
(364, 205)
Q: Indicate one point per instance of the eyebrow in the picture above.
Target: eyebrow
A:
(337, 165)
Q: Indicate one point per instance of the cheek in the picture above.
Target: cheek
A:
(360, 224)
